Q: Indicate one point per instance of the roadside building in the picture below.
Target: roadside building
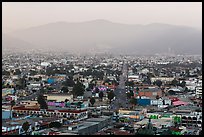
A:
(148, 92)
(58, 96)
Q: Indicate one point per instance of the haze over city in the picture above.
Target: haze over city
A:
(118, 28)
(102, 68)
(30, 14)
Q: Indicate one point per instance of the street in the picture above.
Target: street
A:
(120, 92)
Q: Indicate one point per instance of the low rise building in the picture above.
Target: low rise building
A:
(59, 96)
(148, 92)
(90, 126)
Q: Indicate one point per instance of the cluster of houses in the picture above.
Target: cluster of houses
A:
(165, 103)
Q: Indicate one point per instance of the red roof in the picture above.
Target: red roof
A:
(44, 123)
(101, 133)
(176, 103)
(53, 133)
(23, 108)
(72, 111)
(122, 133)
(175, 129)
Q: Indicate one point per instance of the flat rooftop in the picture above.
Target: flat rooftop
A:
(98, 119)
(31, 120)
(155, 122)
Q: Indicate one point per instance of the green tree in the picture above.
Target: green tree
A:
(187, 73)
(131, 83)
(167, 132)
(144, 131)
(17, 72)
(91, 85)
(111, 95)
(42, 102)
(147, 80)
(55, 124)
(4, 72)
(92, 101)
(101, 95)
(65, 89)
(50, 88)
(66, 104)
(12, 104)
(33, 72)
(158, 83)
(97, 90)
(134, 70)
(186, 90)
(163, 92)
(137, 90)
(183, 84)
(78, 89)
(174, 82)
(133, 101)
(130, 94)
(33, 128)
(148, 130)
(42, 90)
(69, 82)
(26, 126)
(21, 83)
(79, 103)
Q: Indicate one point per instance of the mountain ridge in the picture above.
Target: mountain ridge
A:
(114, 37)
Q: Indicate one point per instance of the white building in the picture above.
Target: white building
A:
(45, 64)
(199, 91)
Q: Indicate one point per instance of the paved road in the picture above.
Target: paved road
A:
(120, 92)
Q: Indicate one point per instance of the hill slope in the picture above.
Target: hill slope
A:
(106, 36)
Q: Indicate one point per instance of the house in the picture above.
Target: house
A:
(163, 79)
(53, 112)
(175, 90)
(6, 114)
(15, 126)
(6, 91)
(159, 123)
(198, 92)
(135, 78)
(58, 96)
(148, 91)
(198, 89)
(45, 64)
(90, 126)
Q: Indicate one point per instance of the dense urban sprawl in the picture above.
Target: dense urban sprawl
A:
(63, 94)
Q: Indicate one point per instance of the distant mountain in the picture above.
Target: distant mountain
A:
(107, 36)
(15, 44)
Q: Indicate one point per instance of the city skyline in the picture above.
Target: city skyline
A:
(102, 68)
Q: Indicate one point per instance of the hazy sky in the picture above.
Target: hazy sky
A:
(18, 15)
